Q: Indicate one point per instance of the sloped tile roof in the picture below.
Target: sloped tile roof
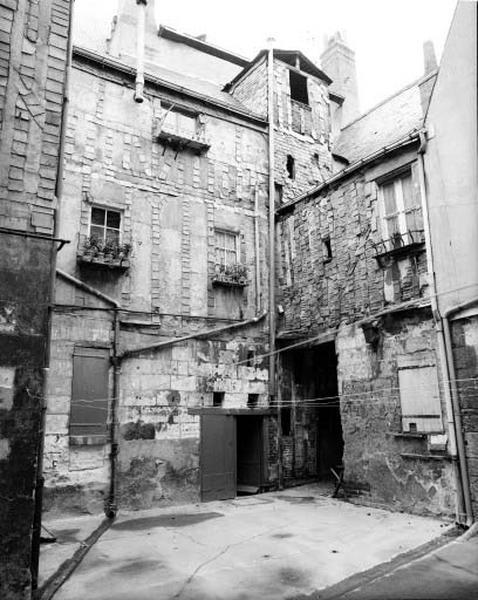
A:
(384, 124)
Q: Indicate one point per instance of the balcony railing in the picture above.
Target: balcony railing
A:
(400, 244)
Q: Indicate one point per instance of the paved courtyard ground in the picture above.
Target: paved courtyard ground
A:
(270, 546)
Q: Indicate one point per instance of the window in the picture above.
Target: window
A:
(278, 192)
(217, 398)
(252, 400)
(420, 399)
(89, 397)
(401, 206)
(298, 87)
(326, 249)
(226, 248)
(290, 166)
(105, 224)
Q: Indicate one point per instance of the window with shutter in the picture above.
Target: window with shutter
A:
(89, 398)
(420, 399)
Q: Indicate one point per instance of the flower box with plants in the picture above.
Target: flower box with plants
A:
(96, 252)
(230, 275)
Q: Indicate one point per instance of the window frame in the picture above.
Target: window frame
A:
(225, 249)
(105, 226)
(395, 178)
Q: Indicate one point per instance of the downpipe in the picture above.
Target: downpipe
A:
(141, 26)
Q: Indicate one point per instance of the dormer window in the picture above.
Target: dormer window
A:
(298, 87)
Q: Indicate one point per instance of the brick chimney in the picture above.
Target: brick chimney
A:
(122, 42)
(338, 61)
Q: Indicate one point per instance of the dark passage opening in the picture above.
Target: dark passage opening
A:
(249, 454)
(310, 394)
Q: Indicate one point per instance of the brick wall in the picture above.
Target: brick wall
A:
(33, 43)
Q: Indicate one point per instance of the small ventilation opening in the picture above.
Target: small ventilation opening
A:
(252, 400)
(250, 358)
(217, 398)
(279, 191)
(298, 87)
(290, 166)
(327, 249)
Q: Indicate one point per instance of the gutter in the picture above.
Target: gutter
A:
(411, 138)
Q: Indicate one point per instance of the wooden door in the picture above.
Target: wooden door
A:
(218, 457)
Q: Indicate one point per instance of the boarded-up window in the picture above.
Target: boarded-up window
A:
(420, 399)
(89, 398)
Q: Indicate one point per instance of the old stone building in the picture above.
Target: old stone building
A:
(160, 391)
(193, 179)
(33, 57)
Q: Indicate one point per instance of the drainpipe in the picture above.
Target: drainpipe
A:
(272, 310)
(40, 481)
(456, 448)
(139, 92)
(257, 250)
(191, 336)
(110, 505)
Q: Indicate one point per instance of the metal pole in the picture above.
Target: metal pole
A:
(270, 112)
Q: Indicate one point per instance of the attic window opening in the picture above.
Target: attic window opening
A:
(290, 166)
(298, 87)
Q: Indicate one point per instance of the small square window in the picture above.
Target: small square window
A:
(252, 400)
(217, 399)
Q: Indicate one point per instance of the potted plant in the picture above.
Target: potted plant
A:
(110, 250)
(90, 248)
(101, 250)
(123, 251)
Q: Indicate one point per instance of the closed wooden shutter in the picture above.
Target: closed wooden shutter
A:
(420, 399)
(89, 398)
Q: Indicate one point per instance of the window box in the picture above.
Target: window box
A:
(230, 275)
(109, 254)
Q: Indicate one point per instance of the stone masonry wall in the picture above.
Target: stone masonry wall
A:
(382, 465)
(465, 349)
(171, 202)
(33, 43)
(329, 278)
(318, 291)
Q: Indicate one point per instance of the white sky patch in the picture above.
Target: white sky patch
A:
(386, 35)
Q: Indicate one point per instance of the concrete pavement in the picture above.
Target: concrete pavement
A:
(448, 573)
(270, 546)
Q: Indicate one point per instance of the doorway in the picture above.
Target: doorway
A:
(249, 455)
(231, 455)
(313, 444)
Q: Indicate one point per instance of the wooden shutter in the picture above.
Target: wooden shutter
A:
(89, 398)
(420, 399)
